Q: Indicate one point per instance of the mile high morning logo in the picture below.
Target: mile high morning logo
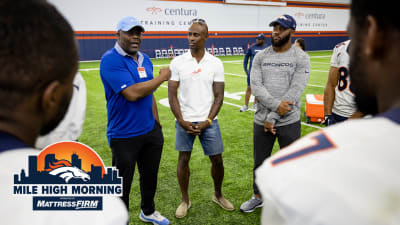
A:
(67, 176)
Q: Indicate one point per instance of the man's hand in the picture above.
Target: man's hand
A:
(188, 126)
(165, 73)
(201, 126)
(329, 120)
(284, 107)
(269, 127)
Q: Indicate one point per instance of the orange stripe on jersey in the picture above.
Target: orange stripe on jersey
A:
(323, 143)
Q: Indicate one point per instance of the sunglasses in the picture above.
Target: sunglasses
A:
(201, 21)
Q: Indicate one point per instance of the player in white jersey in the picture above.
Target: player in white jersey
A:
(347, 173)
(70, 128)
(324, 179)
(339, 102)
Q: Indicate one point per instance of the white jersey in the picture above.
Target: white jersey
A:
(17, 210)
(344, 104)
(345, 174)
(70, 128)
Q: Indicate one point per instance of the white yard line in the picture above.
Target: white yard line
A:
(230, 74)
(314, 85)
(310, 125)
(250, 109)
(322, 63)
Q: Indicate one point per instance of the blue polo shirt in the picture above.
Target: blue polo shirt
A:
(118, 70)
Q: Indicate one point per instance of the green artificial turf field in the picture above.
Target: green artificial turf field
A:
(236, 128)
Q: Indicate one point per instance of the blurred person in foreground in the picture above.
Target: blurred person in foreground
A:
(38, 60)
(347, 173)
(70, 128)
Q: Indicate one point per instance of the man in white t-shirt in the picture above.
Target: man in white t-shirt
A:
(200, 79)
(339, 104)
(347, 173)
(39, 60)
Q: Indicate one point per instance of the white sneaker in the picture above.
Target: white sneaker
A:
(244, 108)
(156, 218)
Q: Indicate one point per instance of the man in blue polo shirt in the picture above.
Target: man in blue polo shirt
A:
(133, 129)
(251, 52)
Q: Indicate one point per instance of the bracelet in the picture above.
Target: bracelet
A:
(209, 121)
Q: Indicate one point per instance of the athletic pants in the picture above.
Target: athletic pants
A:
(264, 142)
(145, 150)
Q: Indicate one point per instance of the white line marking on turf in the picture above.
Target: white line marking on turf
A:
(165, 103)
(240, 75)
(90, 69)
(322, 63)
(310, 125)
(231, 74)
(314, 85)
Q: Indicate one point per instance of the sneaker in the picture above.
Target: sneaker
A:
(244, 108)
(251, 204)
(156, 218)
(223, 202)
(182, 209)
(255, 106)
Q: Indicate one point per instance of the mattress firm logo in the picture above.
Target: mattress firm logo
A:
(169, 16)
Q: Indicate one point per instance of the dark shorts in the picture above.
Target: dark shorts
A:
(339, 118)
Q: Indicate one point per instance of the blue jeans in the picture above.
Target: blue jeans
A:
(210, 139)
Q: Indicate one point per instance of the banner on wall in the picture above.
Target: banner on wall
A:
(259, 2)
(103, 15)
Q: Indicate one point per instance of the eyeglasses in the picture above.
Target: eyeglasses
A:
(201, 21)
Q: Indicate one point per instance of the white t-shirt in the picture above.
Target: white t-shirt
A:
(70, 128)
(344, 104)
(17, 210)
(196, 84)
(345, 174)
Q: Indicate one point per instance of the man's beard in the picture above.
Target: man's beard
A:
(281, 42)
(364, 97)
(52, 124)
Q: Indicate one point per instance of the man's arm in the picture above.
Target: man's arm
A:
(176, 108)
(143, 89)
(218, 90)
(329, 93)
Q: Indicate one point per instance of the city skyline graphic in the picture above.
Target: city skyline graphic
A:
(67, 163)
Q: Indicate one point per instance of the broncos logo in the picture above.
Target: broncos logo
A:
(66, 171)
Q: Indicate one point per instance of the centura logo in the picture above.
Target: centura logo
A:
(154, 10)
(67, 176)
